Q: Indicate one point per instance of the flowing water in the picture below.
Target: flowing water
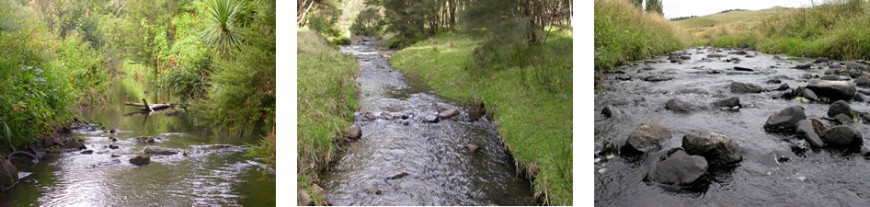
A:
(403, 160)
(209, 174)
(775, 171)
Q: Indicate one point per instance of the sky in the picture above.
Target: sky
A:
(680, 8)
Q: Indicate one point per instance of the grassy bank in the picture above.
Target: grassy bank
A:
(531, 103)
(837, 29)
(326, 102)
(623, 33)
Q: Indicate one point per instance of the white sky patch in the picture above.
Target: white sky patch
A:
(681, 8)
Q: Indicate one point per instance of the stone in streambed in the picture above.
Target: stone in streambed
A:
(646, 137)
(844, 119)
(833, 90)
(657, 78)
(809, 95)
(355, 132)
(679, 106)
(843, 136)
(785, 120)
(839, 107)
(863, 82)
(8, 174)
(718, 149)
(678, 169)
(153, 150)
(806, 131)
(737, 87)
(729, 103)
(446, 114)
(140, 160)
(610, 111)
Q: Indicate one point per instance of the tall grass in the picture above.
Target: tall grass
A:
(527, 89)
(623, 33)
(326, 102)
(837, 29)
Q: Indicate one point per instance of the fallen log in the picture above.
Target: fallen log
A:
(150, 107)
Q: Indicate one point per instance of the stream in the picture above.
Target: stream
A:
(777, 169)
(406, 158)
(211, 171)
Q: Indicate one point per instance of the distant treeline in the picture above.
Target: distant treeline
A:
(682, 18)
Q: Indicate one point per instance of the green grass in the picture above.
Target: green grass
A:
(624, 33)
(837, 29)
(326, 102)
(531, 103)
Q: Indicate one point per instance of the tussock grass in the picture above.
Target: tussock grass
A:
(326, 102)
(529, 95)
(837, 29)
(623, 33)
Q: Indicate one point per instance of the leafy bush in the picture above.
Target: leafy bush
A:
(369, 22)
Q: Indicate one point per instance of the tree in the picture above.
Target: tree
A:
(223, 29)
(654, 6)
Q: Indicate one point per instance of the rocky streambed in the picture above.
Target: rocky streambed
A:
(734, 127)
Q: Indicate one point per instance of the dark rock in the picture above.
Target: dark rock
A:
(658, 78)
(734, 59)
(729, 102)
(715, 55)
(806, 131)
(833, 90)
(859, 98)
(738, 52)
(8, 174)
(610, 111)
(648, 68)
(718, 149)
(679, 106)
(809, 95)
(154, 150)
(397, 176)
(623, 77)
(821, 60)
(806, 76)
(840, 107)
(678, 169)
(446, 114)
(863, 82)
(843, 136)
(855, 66)
(113, 147)
(782, 87)
(685, 57)
(739, 68)
(355, 132)
(835, 78)
(646, 137)
(803, 66)
(866, 117)
(144, 139)
(844, 119)
(785, 120)
(140, 160)
(87, 152)
(774, 81)
(113, 131)
(737, 87)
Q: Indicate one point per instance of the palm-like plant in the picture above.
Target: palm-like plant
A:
(223, 32)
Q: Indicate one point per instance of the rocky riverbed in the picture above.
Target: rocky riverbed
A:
(734, 127)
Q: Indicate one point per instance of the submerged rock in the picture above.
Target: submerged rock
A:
(806, 131)
(646, 137)
(679, 169)
(833, 90)
(657, 78)
(679, 106)
(729, 102)
(609, 111)
(738, 87)
(717, 148)
(785, 120)
(140, 160)
(154, 150)
(843, 136)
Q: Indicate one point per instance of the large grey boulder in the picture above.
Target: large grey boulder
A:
(154, 150)
(785, 120)
(718, 149)
(646, 137)
(679, 106)
(843, 137)
(738, 87)
(678, 169)
(806, 131)
(833, 90)
(839, 107)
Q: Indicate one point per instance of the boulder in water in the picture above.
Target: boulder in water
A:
(657, 78)
(862, 82)
(803, 66)
(609, 111)
(833, 90)
(729, 102)
(646, 137)
(738, 87)
(844, 119)
(678, 169)
(446, 114)
(785, 120)
(839, 107)
(472, 147)
(843, 136)
(718, 149)
(154, 150)
(806, 131)
(355, 132)
(809, 95)
(8, 174)
(679, 106)
(140, 160)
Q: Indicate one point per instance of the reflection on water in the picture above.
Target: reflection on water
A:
(212, 169)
